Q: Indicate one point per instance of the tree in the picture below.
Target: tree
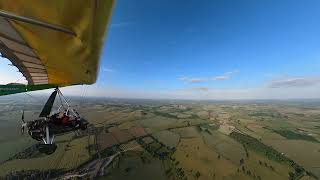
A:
(198, 174)
(249, 172)
(291, 175)
(241, 161)
(271, 167)
(299, 169)
(168, 171)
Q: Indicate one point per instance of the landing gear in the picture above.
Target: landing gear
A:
(47, 148)
(83, 124)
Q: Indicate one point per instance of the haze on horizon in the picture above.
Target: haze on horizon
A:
(210, 50)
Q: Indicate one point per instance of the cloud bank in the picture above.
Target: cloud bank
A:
(295, 82)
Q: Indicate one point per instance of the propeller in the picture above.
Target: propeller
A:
(23, 123)
(22, 117)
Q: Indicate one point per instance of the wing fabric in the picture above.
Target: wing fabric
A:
(55, 42)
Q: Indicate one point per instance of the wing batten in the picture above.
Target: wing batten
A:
(35, 22)
(28, 58)
(6, 31)
(19, 52)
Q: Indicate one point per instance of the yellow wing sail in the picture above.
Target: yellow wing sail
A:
(54, 41)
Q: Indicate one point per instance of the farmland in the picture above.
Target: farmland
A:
(171, 140)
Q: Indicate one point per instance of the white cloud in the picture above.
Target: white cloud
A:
(192, 80)
(196, 93)
(105, 69)
(10, 74)
(221, 78)
(202, 88)
(225, 76)
(206, 93)
(295, 82)
(122, 24)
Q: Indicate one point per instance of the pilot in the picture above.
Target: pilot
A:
(65, 118)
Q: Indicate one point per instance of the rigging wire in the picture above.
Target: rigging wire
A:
(33, 97)
(61, 101)
(83, 94)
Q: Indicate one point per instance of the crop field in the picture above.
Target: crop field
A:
(194, 156)
(291, 135)
(169, 138)
(189, 140)
(13, 146)
(69, 155)
(304, 152)
(261, 166)
(132, 166)
(226, 146)
(187, 132)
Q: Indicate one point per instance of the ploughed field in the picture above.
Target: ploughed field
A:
(170, 140)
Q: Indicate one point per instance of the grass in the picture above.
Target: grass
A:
(166, 115)
(193, 156)
(252, 143)
(295, 136)
(187, 132)
(67, 156)
(272, 154)
(279, 171)
(224, 145)
(168, 138)
(202, 154)
(306, 153)
(131, 166)
(11, 147)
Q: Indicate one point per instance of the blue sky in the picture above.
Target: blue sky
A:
(211, 50)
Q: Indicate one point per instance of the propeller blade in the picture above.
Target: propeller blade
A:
(49, 104)
(23, 125)
(22, 117)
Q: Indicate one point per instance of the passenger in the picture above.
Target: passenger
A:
(65, 120)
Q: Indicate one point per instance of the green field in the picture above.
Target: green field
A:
(190, 140)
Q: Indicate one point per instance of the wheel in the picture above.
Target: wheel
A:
(83, 126)
(47, 148)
